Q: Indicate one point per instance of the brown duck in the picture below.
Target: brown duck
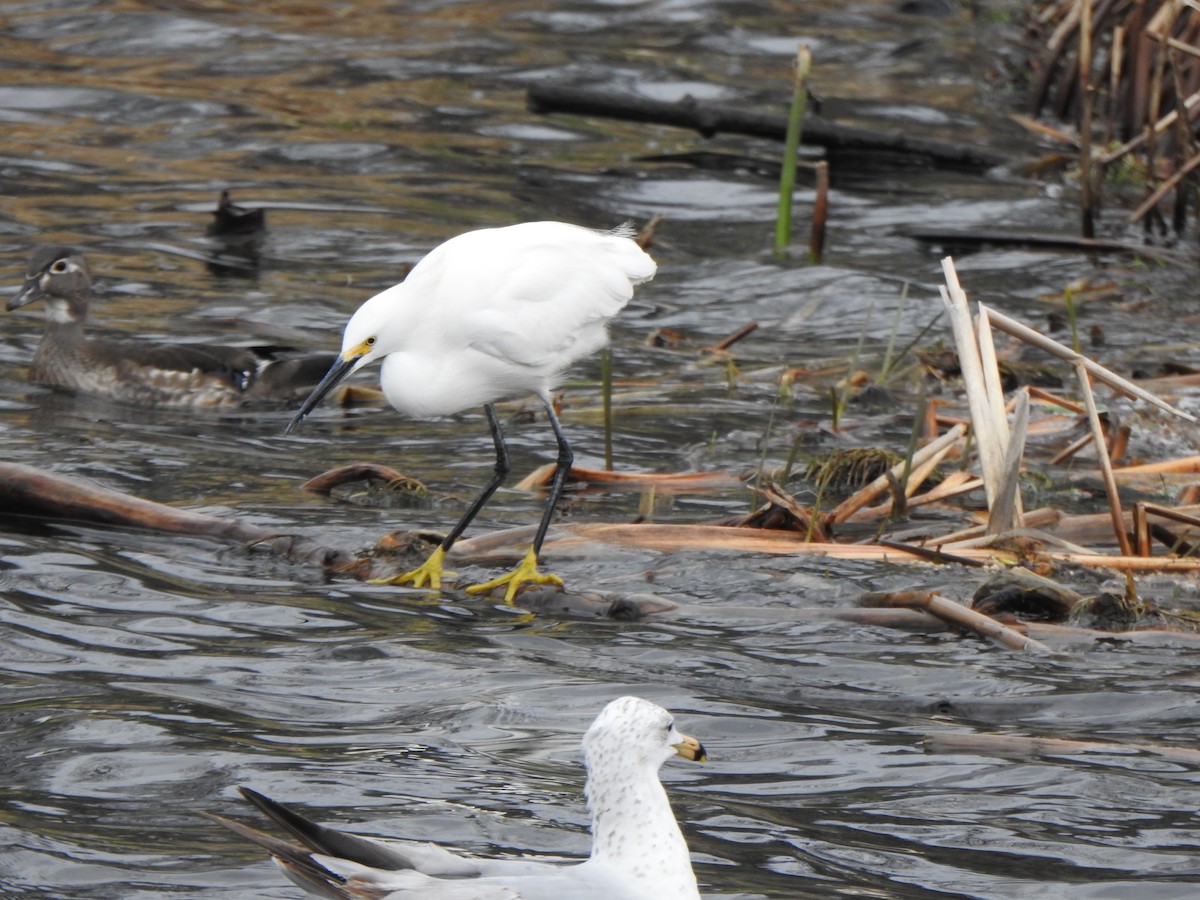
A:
(179, 375)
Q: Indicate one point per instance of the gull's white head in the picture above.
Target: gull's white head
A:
(639, 732)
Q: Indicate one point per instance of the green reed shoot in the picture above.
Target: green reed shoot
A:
(787, 176)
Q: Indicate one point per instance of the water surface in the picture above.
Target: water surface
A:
(145, 677)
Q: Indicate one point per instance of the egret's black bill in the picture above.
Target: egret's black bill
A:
(339, 370)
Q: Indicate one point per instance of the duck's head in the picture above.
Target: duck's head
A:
(60, 277)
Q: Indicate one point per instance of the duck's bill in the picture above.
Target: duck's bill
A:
(339, 370)
(30, 291)
(690, 748)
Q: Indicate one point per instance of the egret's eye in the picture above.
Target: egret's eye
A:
(58, 266)
(370, 342)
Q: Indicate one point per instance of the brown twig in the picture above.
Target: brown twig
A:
(957, 614)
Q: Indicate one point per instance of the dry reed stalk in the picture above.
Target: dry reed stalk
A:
(1008, 504)
(1186, 465)
(1037, 393)
(1165, 188)
(987, 431)
(1099, 372)
(1086, 100)
(645, 236)
(512, 543)
(1143, 136)
(957, 614)
(1071, 449)
(1043, 538)
(1127, 563)
(1144, 530)
(675, 482)
(1038, 518)
(820, 213)
(1106, 472)
(725, 343)
(953, 485)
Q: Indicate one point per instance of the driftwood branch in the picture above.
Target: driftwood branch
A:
(713, 118)
(27, 491)
(1012, 745)
(956, 614)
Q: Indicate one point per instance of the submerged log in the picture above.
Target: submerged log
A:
(713, 118)
(1013, 745)
(975, 238)
(27, 491)
(672, 482)
(956, 614)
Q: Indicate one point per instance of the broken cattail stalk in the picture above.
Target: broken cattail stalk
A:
(1143, 136)
(1008, 497)
(1106, 472)
(1165, 188)
(1128, 563)
(957, 614)
(1037, 393)
(816, 237)
(725, 343)
(1086, 101)
(1038, 518)
(645, 237)
(987, 427)
(1099, 372)
(953, 485)
(1071, 449)
(1186, 465)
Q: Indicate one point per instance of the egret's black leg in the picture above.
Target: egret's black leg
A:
(527, 572)
(430, 572)
(561, 470)
(499, 473)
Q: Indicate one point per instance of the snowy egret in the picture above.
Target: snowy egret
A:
(138, 371)
(638, 851)
(487, 315)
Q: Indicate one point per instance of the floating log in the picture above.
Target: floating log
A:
(25, 490)
(512, 543)
(713, 118)
(671, 482)
(957, 614)
(951, 239)
(1012, 745)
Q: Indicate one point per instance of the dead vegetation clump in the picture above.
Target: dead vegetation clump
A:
(1125, 74)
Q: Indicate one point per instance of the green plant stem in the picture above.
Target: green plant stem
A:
(787, 177)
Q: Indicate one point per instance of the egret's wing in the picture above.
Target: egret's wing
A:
(536, 294)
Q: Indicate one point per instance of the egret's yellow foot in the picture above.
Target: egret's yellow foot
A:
(429, 572)
(526, 573)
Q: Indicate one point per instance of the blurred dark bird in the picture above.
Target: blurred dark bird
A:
(231, 219)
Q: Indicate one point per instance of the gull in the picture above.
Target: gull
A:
(638, 851)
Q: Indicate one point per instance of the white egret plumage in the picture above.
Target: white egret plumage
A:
(488, 315)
